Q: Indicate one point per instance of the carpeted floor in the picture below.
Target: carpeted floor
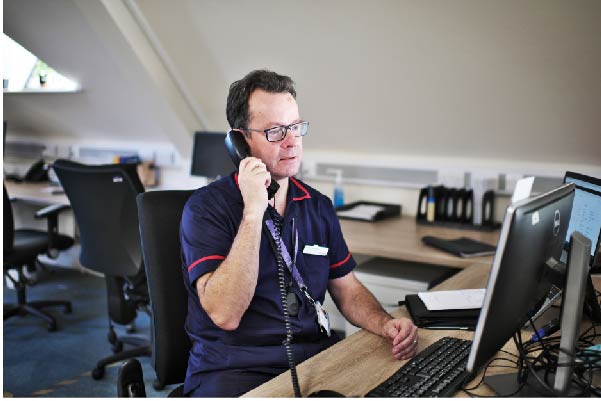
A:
(59, 364)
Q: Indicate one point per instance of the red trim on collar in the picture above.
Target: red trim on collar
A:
(306, 196)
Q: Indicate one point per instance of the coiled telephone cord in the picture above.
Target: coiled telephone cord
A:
(283, 296)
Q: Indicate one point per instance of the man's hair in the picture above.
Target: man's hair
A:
(240, 91)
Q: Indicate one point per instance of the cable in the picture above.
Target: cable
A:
(283, 296)
(547, 360)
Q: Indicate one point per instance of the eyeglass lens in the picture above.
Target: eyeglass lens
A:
(278, 133)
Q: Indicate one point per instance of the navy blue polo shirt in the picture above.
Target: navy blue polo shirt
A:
(209, 225)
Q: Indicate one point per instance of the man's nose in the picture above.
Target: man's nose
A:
(290, 140)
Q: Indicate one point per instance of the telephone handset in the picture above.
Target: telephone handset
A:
(238, 149)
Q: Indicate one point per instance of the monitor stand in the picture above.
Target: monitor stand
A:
(507, 385)
(577, 273)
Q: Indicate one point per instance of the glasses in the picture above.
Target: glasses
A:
(277, 134)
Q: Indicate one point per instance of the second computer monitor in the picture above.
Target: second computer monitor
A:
(531, 240)
(210, 157)
(586, 215)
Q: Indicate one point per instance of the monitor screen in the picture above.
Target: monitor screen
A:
(209, 156)
(531, 238)
(586, 212)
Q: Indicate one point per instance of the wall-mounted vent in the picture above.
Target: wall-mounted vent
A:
(23, 149)
(101, 153)
(390, 176)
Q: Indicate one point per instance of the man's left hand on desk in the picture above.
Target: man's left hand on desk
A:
(402, 333)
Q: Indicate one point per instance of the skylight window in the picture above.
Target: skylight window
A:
(23, 71)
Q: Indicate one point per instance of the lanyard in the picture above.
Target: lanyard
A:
(290, 264)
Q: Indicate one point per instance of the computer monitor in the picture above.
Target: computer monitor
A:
(530, 243)
(577, 279)
(209, 156)
(586, 211)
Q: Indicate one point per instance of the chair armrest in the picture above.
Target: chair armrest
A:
(52, 210)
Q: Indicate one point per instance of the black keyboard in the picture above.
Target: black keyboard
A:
(437, 371)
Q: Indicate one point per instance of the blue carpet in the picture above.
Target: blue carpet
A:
(59, 364)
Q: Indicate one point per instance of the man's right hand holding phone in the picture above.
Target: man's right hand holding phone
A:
(253, 178)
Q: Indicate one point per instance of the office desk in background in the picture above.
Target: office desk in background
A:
(36, 193)
(401, 238)
(31, 197)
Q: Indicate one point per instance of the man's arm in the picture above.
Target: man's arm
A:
(226, 292)
(362, 309)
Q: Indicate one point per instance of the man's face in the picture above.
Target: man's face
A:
(268, 110)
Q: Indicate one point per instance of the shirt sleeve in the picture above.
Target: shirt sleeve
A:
(204, 234)
(341, 260)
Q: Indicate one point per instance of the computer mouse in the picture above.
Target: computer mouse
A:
(326, 394)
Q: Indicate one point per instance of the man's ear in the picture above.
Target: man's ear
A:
(248, 138)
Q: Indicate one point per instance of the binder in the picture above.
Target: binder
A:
(464, 247)
(454, 319)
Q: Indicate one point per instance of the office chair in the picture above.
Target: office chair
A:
(103, 198)
(160, 213)
(21, 250)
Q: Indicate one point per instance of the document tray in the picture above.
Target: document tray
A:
(464, 319)
(379, 211)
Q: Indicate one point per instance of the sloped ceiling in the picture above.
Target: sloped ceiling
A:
(513, 80)
(79, 39)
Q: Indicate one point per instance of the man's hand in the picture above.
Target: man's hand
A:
(402, 333)
(253, 179)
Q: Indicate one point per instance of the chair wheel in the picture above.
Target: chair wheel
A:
(98, 373)
(157, 385)
(52, 326)
(117, 347)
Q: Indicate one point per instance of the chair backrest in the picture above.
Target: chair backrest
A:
(160, 213)
(103, 198)
(9, 224)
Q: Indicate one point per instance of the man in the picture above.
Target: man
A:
(239, 269)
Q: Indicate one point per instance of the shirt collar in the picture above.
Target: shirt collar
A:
(296, 191)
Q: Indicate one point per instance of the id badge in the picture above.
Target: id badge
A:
(322, 318)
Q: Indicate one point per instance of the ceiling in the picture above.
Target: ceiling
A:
(513, 80)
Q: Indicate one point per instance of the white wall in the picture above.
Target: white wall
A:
(516, 81)
(469, 85)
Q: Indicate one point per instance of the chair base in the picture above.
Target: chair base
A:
(98, 372)
(34, 308)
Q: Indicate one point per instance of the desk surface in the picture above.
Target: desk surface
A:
(362, 361)
(400, 238)
(40, 193)
(365, 355)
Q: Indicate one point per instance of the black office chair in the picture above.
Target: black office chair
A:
(21, 250)
(103, 198)
(160, 213)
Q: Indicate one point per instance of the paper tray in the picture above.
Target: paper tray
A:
(368, 211)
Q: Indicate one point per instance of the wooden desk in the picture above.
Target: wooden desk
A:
(362, 361)
(365, 355)
(38, 193)
(400, 238)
